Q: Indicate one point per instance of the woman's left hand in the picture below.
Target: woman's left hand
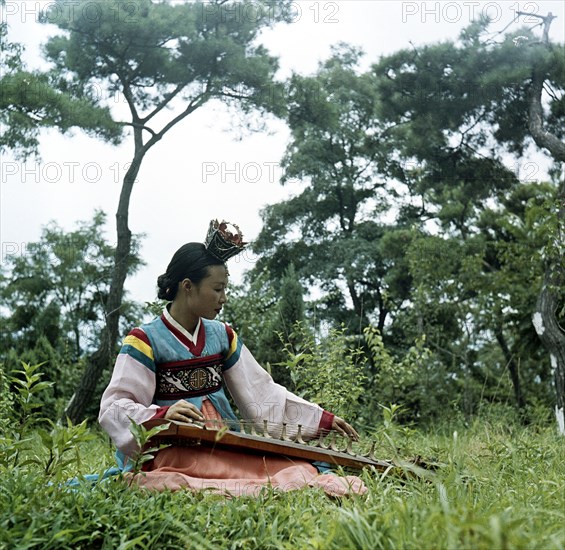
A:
(345, 429)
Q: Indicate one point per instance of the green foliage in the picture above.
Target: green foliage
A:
(146, 451)
(30, 102)
(156, 52)
(499, 486)
(291, 308)
(11, 440)
(28, 387)
(53, 299)
(411, 218)
(60, 370)
(399, 375)
(25, 419)
(447, 87)
(58, 288)
(290, 312)
(548, 221)
(415, 381)
(328, 371)
(155, 308)
(458, 109)
(250, 308)
(254, 310)
(478, 293)
(60, 447)
(6, 400)
(330, 231)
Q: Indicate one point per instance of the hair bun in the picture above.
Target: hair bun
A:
(166, 292)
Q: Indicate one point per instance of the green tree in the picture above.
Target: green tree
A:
(252, 311)
(264, 315)
(291, 308)
(473, 296)
(410, 216)
(58, 285)
(52, 297)
(459, 109)
(280, 333)
(166, 61)
(331, 231)
(328, 369)
(29, 101)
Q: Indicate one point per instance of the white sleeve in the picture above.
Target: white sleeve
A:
(258, 397)
(128, 396)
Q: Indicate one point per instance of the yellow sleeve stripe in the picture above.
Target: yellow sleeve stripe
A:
(139, 345)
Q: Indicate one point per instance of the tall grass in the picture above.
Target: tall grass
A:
(498, 487)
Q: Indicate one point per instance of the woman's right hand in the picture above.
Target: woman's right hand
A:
(345, 429)
(183, 411)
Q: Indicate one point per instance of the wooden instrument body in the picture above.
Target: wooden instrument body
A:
(193, 434)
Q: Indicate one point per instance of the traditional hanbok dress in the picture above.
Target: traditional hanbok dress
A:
(160, 363)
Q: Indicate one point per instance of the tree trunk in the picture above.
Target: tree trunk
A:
(513, 369)
(553, 338)
(103, 357)
(544, 318)
(357, 305)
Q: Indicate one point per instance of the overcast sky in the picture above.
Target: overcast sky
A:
(205, 168)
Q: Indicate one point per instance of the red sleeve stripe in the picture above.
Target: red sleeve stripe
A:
(230, 333)
(138, 333)
(161, 412)
(326, 422)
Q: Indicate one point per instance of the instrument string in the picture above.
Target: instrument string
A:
(290, 433)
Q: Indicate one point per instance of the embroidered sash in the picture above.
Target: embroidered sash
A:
(190, 378)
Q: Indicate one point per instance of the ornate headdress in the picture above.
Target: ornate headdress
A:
(223, 243)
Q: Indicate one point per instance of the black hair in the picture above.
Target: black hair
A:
(190, 261)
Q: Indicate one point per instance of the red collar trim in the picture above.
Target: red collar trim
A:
(195, 349)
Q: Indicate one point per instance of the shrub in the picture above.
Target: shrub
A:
(330, 371)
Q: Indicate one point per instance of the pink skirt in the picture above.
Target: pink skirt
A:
(235, 473)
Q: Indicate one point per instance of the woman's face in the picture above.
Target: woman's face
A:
(207, 298)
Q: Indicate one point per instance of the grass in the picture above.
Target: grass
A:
(499, 487)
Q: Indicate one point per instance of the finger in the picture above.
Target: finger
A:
(184, 412)
(180, 415)
(190, 411)
(351, 431)
(197, 415)
(353, 434)
(340, 430)
(187, 419)
(192, 416)
(347, 430)
(343, 432)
